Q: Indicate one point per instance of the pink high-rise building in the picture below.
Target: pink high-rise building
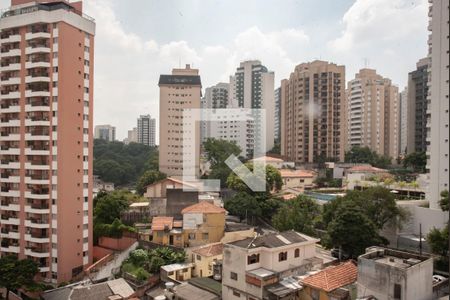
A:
(47, 52)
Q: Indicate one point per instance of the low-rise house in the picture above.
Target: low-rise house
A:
(109, 290)
(275, 162)
(206, 258)
(332, 283)
(359, 173)
(390, 274)
(100, 185)
(297, 178)
(176, 272)
(203, 223)
(265, 267)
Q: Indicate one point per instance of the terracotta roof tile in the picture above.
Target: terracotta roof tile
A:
(364, 168)
(203, 207)
(210, 250)
(295, 173)
(268, 159)
(161, 223)
(333, 277)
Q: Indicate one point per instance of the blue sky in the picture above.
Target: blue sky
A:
(137, 40)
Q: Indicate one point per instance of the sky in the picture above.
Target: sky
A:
(137, 40)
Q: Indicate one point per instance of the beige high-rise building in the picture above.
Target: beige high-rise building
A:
(373, 113)
(313, 114)
(47, 71)
(438, 104)
(178, 92)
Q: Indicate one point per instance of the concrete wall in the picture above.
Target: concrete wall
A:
(116, 244)
(100, 252)
(177, 200)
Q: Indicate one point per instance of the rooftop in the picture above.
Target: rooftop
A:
(50, 6)
(176, 267)
(210, 250)
(273, 240)
(268, 159)
(162, 223)
(333, 277)
(84, 291)
(393, 258)
(189, 291)
(180, 79)
(261, 273)
(203, 207)
(207, 284)
(296, 173)
(366, 168)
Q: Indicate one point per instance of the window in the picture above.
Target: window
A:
(253, 259)
(397, 291)
(199, 257)
(192, 236)
(282, 256)
(205, 236)
(233, 276)
(297, 253)
(236, 294)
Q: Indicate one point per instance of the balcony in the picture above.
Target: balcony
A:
(37, 165)
(43, 77)
(13, 38)
(37, 223)
(10, 179)
(9, 137)
(38, 135)
(39, 48)
(10, 207)
(44, 179)
(42, 194)
(37, 209)
(37, 238)
(37, 151)
(37, 121)
(10, 249)
(37, 107)
(37, 252)
(9, 95)
(37, 93)
(10, 53)
(10, 80)
(38, 63)
(37, 35)
(9, 234)
(4, 150)
(6, 164)
(6, 220)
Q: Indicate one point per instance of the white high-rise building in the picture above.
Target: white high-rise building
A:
(146, 130)
(438, 128)
(105, 132)
(252, 86)
(403, 121)
(216, 97)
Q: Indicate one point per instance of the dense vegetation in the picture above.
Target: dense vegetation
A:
(123, 164)
(16, 274)
(367, 156)
(416, 161)
(438, 239)
(142, 263)
(107, 210)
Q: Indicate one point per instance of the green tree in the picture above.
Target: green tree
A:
(273, 180)
(109, 206)
(243, 205)
(352, 231)
(366, 155)
(148, 178)
(416, 161)
(15, 274)
(444, 200)
(217, 152)
(298, 214)
(138, 257)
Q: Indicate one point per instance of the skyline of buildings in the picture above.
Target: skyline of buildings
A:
(146, 130)
(47, 82)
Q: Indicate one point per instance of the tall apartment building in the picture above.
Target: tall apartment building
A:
(47, 58)
(277, 124)
(313, 113)
(105, 132)
(403, 121)
(373, 113)
(146, 130)
(417, 107)
(132, 136)
(215, 97)
(178, 92)
(438, 101)
(252, 86)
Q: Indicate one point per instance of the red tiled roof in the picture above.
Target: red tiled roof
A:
(268, 159)
(172, 180)
(295, 173)
(203, 207)
(363, 168)
(210, 250)
(161, 223)
(333, 277)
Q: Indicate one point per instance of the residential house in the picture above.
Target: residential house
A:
(390, 274)
(265, 267)
(206, 258)
(297, 179)
(177, 272)
(332, 283)
(203, 223)
(275, 162)
(165, 231)
(356, 174)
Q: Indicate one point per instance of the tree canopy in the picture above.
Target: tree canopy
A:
(417, 161)
(366, 155)
(147, 178)
(273, 180)
(15, 273)
(243, 205)
(217, 152)
(123, 164)
(298, 214)
(444, 200)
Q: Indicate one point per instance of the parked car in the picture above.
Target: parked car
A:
(335, 254)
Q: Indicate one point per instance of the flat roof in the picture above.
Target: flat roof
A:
(261, 272)
(176, 267)
(273, 240)
(180, 79)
